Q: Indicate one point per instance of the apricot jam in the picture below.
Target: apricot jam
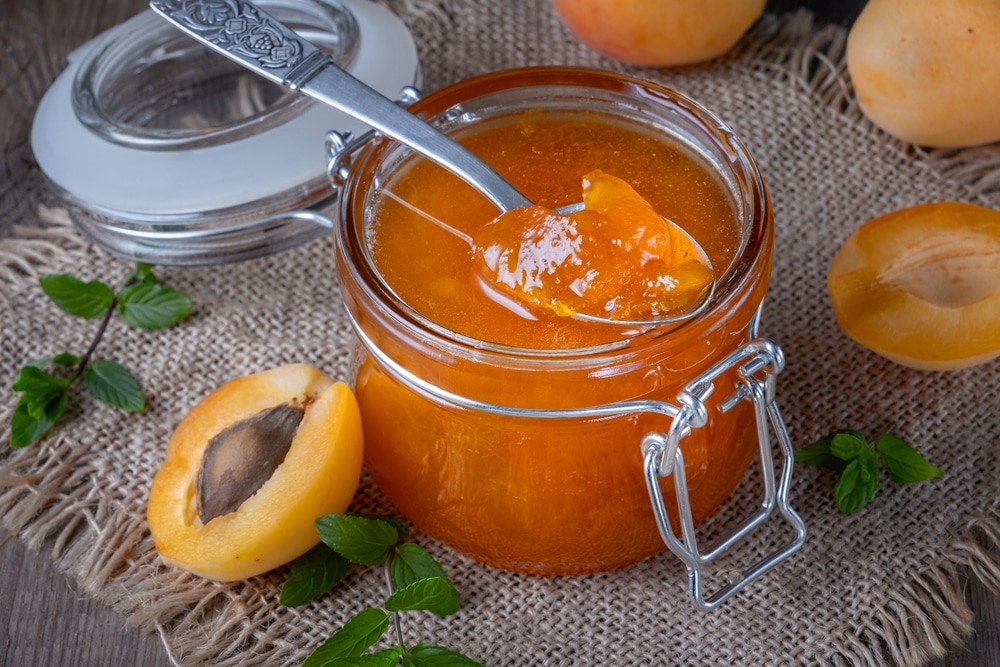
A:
(617, 259)
(513, 434)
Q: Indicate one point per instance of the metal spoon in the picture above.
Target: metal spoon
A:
(245, 33)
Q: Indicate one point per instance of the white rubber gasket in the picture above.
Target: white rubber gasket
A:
(116, 179)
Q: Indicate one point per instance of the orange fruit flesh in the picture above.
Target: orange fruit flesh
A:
(617, 259)
(921, 285)
(319, 475)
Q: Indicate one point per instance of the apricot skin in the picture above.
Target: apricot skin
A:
(660, 33)
(319, 475)
(928, 72)
(921, 285)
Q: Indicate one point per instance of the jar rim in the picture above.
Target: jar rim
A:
(439, 108)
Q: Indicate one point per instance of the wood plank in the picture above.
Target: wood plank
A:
(49, 623)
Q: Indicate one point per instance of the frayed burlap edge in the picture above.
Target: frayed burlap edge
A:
(31, 250)
(49, 497)
(927, 614)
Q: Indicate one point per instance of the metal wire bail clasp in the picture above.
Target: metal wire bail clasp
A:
(757, 364)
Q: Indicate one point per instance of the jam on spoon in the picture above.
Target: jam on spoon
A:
(615, 260)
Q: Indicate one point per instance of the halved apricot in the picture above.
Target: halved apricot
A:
(921, 285)
(250, 468)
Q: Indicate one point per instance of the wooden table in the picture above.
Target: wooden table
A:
(49, 623)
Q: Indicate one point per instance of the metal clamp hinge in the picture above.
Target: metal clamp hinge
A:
(757, 364)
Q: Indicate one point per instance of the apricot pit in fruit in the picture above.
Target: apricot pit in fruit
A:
(921, 285)
(250, 468)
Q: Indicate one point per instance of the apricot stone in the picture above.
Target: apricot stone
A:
(250, 468)
(921, 285)
(659, 32)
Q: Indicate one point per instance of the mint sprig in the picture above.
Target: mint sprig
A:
(856, 461)
(416, 581)
(44, 384)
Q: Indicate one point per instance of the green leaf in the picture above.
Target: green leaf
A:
(142, 273)
(27, 428)
(428, 655)
(313, 574)
(818, 454)
(40, 391)
(149, 305)
(857, 484)
(72, 295)
(110, 382)
(411, 563)
(847, 446)
(396, 522)
(904, 463)
(386, 658)
(32, 379)
(65, 359)
(356, 637)
(359, 540)
(436, 595)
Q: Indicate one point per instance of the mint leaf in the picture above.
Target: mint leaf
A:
(428, 655)
(857, 484)
(402, 528)
(357, 635)
(411, 563)
(40, 391)
(313, 574)
(904, 463)
(27, 428)
(847, 446)
(64, 359)
(142, 302)
(149, 305)
(72, 295)
(111, 383)
(386, 658)
(359, 540)
(34, 380)
(436, 595)
(818, 454)
(142, 273)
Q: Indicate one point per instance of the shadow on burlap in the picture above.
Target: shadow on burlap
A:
(881, 587)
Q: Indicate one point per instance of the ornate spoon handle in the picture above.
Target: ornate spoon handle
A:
(247, 34)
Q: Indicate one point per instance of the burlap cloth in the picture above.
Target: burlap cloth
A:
(880, 587)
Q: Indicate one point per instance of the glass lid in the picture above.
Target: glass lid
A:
(180, 94)
(168, 153)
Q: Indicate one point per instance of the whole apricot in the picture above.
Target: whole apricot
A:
(249, 470)
(928, 72)
(659, 32)
(921, 285)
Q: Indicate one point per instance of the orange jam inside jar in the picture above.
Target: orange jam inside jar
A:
(513, 434)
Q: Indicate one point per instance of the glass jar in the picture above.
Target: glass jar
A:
(535, 457)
